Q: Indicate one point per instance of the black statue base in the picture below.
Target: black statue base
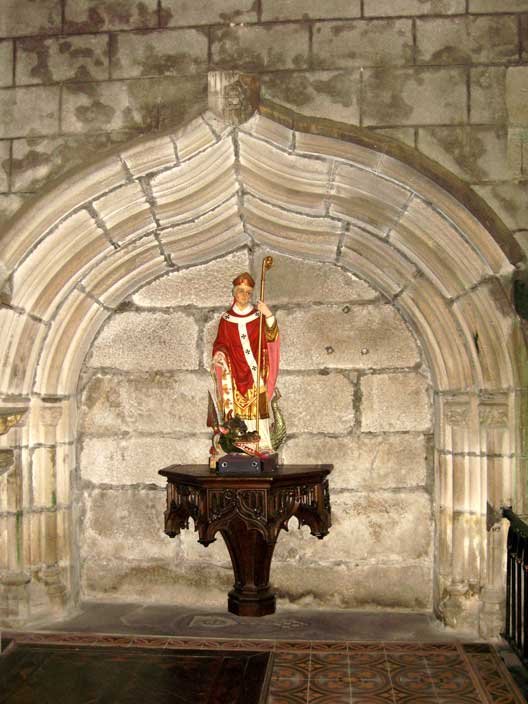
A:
(237, 463)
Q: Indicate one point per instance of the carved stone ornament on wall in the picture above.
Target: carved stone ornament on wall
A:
(457, 413)
(494, 415)
(233, 96)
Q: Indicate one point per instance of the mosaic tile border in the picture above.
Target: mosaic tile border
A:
(335, 672)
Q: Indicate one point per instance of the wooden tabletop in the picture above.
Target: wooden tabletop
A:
(288, 472)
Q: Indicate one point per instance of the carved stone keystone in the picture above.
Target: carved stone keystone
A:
(233, 96)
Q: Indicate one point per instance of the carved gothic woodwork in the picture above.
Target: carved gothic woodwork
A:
(249, 512)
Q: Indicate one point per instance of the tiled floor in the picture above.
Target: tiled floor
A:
(348, 672)
(392, 674)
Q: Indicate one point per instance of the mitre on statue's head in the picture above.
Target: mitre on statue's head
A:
(244, 278)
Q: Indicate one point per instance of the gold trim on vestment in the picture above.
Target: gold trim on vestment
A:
(272, 332)
(245, 406)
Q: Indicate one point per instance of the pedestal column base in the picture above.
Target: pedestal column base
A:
(251, 604)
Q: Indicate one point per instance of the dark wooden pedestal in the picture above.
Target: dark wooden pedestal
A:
(249, 512)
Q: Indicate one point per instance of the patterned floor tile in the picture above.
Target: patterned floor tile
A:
(294, 645)
(355, 646)
(326, 666)
(326, 691)
(494, 678)
(329, 645)
(370, 676)
(286, 692)
(295, 667)
(453, 682)
(295, 679)
(411, 682)
(399, 647)
(338, 672)
(386, 698)
(329, 699)
(445, 660)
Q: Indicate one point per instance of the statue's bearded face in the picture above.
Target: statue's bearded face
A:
(243, 294)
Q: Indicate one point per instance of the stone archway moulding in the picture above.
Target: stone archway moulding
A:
(180, 199)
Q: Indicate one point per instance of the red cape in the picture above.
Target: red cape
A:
(228, 341)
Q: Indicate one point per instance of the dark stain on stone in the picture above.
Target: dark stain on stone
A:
(338, 88)
(31, 161)
(476, 341)
(524, 37)
(118, 13)
(465, 146)
(40, 49)
(498, 295)
(144, 100)
(293, 90)
(520, 297)
(383, 95)
(130, 120)
(182, 101)
(144, 14)
(88, 89)
(94, 22)
(5, 166)
(97, 114)
(233, 56)
(115, 14)
(165, 17)
(230, 53)
(82, 53)
(299, 61)
(94, 394)
(341, 28)
(451, 55)
(168, 64)
(82, 74)
(231, 16)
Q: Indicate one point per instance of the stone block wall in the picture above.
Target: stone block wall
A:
(446, 77)
(356, 393)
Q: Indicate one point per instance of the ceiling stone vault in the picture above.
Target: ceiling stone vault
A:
(184, 198)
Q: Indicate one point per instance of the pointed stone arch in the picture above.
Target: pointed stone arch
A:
(307, 189)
